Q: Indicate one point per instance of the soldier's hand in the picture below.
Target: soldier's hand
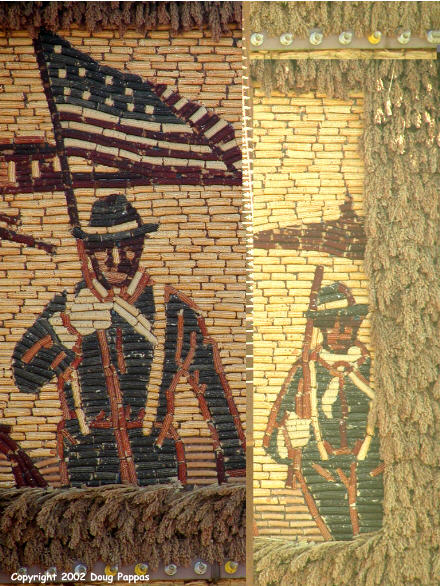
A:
(86, 315)
(298, 431)
(66, 338)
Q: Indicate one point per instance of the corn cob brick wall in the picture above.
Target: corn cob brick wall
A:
(199, 248)
(306, 160)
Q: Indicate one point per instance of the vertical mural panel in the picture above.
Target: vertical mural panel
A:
(317, 472)
(122, 272)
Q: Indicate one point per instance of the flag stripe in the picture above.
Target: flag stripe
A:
(116, 181)
(106, 156)
(76, 113)
(134, 147)
(90, 127)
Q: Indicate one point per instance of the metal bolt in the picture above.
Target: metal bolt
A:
(404, 37)
(231, 567)
(111, 570)
(346, 37)
(286, 39)
(375, 37)
(433, 37)
(257, 39)
(316, 37)
(200, 568)
(52, 571)
(141, 569)
(171, 569)
(80, 569)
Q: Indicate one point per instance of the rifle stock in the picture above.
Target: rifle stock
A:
(303, 405)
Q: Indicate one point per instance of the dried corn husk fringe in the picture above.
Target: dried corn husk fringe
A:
(142, 16)
(332, 18)
(121, 524)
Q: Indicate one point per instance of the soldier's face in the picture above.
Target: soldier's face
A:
(342, 335)
(115, 264)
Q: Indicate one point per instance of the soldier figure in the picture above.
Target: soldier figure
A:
(101, 344)
(322, 422)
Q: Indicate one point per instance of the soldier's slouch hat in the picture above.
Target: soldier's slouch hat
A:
(112, 219)
(336, 300)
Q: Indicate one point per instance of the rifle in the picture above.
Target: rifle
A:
(303, 406)
(303, 399)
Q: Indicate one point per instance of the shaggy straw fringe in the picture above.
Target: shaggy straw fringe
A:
(334, 17)
(402, 209)
(121, 524)
(142, 16)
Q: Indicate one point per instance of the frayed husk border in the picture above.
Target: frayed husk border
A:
(141, 16)
(283, 563)
(121, 525)
(402, 219)
(334, 78)
(363, 18)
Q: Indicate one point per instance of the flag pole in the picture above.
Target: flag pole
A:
(304, 408)
(66, 174)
